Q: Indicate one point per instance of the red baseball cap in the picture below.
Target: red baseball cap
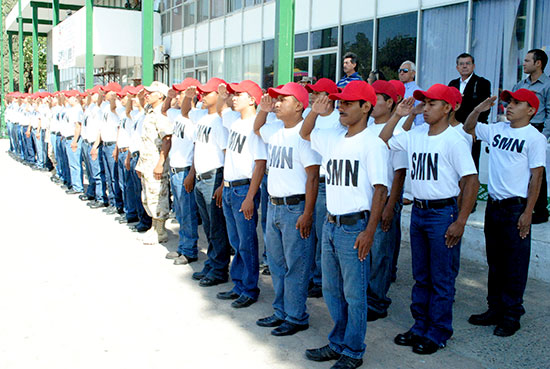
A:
(249, 87)
(112, 86)
(71, 93)
(457, 95)
(436, 92)
(399, 87)
(522, 94)
(323, 85)
(386, 88)
(291, 89)
(186, 83)
(211, 85)
(355, 91)
(124, 91)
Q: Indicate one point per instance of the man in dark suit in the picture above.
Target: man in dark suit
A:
(474, 90)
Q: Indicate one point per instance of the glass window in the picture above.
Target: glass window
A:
(202, 10)
(357, 38)
(189, 74)
(396, 43)
(165, 22)
(189, 14)
(301, 67)
(300, 42)
(202, 60)
(268, 63)
(177, 18)
(252, 63)
(189, 62)
(233, 5)
(324, 66)
(217, 8)
(176, 70)
(324, 38)
(216, 64)
(233, 64)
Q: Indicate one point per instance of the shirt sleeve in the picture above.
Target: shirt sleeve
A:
(269, 129)
(173, 114)
(308, 157)
(483, 132)
(378, 153)
(164, 126)
(462, 164)
(229, 117)
(196, 114)
(537, 152)
(320, 139)
(221, 134)
(399, 142)
(257, 147)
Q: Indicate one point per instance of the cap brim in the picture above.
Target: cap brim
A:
(506, 95)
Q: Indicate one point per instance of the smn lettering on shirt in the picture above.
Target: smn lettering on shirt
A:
(424, 166)
(342, 172)
(508, 144)
(203, 133)
(236, 141)
(280, 156)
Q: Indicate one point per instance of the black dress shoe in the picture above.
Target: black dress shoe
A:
(140, 228)
(130, 220)
(406, 339)
(266, 271)
(315, 291)
(270, 321)
(227, 295)
(425, 346)
(324, 353)
(506, 328)
(346, 362)
(374, 315)
(209, 282)
(198, 275)
(485, 319)
(288, 329)
(242, 302)
(85, 197)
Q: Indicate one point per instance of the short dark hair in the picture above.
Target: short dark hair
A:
(378, 75)
(386, 98)
(353, 57)
(465, 55)
(539, 54)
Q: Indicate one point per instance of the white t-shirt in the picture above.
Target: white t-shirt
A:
(210, 137)
(330, 121)
(244, 147)
(135, 137)
(513, 152)
(468, 137)
(45, 116)
(436, 163)
(124, 126)
(74, 115)
(397, 159)
(288, 156)
(65, 128)
(93, 120)
(108, 123)
(181, 152)
(353, 167)
(54, 123)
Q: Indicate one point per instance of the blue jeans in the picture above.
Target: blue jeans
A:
(75, 164)
(53, 142)
(135, 191)
(30, 152)
(320, 216)
(64, 161)
(264, 199)
(435, 267)
(290, 258)
(185, 208)
(9, 126)
(345, 283)
(245, 267)
(20, 135)
(38, 144)
(508, 258)
(213, 223)
(111, 176)
(380, 259)
(123, 182)
(97, 186)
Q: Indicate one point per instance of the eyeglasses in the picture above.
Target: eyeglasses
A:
(403, 70)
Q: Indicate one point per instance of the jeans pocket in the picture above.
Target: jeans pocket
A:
(296, 209)
(240, 191)
(354, 229)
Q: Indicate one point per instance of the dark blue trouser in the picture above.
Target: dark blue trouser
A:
(508, 258)
(123, 177)
(135, 191)
(111, 176)
(244, 239)
(435, 268)
(185, 208)
(320, 216)
(264, 199)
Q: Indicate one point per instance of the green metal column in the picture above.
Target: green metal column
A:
(10, 62)
(35, 66)
(89, 44)
(284, 41)
(55, 22)
(147, 74)
(21, 53)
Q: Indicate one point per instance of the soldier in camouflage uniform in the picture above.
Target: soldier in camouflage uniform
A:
(153, 167)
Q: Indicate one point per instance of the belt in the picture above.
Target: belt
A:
(290, 200)
(322, 179)
(209, 174)
(507, 202)
(434, 204)
(239, 182)
(69, 137)
(347, 219)
(108, 143)
(135, 154)
(124, 149)
(177, 170)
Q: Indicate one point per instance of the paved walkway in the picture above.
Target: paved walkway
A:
(79, 291)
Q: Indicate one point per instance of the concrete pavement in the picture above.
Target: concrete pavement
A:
(79, 291)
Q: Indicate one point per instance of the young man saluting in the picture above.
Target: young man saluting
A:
(356, 188)
(516, 164)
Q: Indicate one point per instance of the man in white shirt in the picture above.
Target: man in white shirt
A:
(73, 143)
(356, 186)
(437, 164)
(517, 158)
(293, 181)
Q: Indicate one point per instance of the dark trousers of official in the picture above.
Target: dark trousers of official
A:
(508, 258)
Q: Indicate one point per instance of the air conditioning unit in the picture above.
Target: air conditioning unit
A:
(137, 71)
(109, 64)
(158, 55)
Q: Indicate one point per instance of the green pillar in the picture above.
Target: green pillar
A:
(89, 44)
(21, 53)
(55, 22)
(284, 42)
(35, 64)
(10, 63)
(147, 74)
